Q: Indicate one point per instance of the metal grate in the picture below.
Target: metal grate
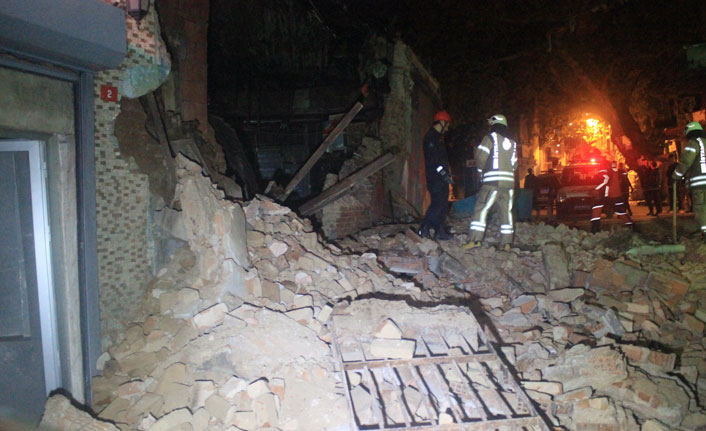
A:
(453, 382)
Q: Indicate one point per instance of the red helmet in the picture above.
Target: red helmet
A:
(442, 116)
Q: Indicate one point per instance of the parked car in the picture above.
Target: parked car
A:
(545, 192)
(575, 196)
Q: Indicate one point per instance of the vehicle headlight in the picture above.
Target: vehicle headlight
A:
(561, 198)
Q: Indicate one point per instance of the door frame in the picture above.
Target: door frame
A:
(42, 256)
(82, 81)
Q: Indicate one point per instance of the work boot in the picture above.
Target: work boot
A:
(595, 226)
(440, 234)
(424, 231)
(471, 245)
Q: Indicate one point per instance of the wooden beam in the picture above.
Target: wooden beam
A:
(322, 149)
(344, 186)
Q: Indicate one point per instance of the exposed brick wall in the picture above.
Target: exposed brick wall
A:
(122, 192)
(364, 206)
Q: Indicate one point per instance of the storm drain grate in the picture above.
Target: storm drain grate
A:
(453, 382)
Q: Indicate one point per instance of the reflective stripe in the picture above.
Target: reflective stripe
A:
(595, 218)
(597, 206)
(505, 226)
(605, 181)
(679, 174)
(703, 227)
(703, 155)
(690, 149)
(480, 147)
(499, 173)
(478, 229)
(620, 203)
(619, 213)
(477, 223)
(697, 184)
(698, 178)
(486, 208)
(495, 151)
(439, 168)
(509, 208)
(498, 178)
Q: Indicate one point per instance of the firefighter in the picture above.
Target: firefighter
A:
(610, 193)
(496, 159)
(692, 165)
(436, 165)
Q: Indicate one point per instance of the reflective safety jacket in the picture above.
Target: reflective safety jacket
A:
(692, 164)
(610, 187)
(496, 159)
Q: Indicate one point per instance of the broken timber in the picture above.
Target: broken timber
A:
(344, 186)
(322, 149)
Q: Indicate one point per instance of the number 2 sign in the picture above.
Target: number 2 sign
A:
(109, 93)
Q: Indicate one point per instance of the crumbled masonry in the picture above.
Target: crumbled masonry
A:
(232, 341)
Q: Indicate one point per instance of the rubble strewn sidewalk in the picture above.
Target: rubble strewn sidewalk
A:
(236, 337)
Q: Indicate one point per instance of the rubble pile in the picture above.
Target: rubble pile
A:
(602, 339)
(237, 341)
(238, 336)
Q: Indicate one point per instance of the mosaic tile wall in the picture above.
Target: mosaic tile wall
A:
(122, 192)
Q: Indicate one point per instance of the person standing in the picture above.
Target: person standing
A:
(653, 189)
(436, 166)
(670, 184)
(625, 187)
(610, 194)
(496, 157)
(692, 165)
(531, 185)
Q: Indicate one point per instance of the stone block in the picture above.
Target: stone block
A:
(232, 387)
(257, 388)
(382, 348)
(583, 366)
(200, 420)
(210, 317)
(277, 248)
(246, 420)
(693, 324)
(575, 395)
(566, 294)
(265, 408)
(636, 308)
(580, 279)
(301, 315)
(527, 303)
(201, 391)
(271, 291)
(670, 287)
(556, 266)
(172, 420)
(388, 329)
(220, 409)
(325, 313)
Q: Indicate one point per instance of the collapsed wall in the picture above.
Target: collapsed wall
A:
(238, 336)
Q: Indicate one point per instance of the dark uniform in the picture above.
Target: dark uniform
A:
(610, 194)
(692, 165)
(436, 166)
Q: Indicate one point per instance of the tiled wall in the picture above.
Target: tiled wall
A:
(122, 193)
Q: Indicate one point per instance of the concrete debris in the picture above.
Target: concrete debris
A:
(235, 331)
(61, 415)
